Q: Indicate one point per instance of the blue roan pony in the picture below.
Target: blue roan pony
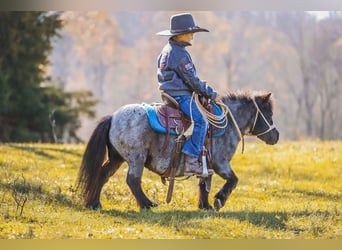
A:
(127, 136)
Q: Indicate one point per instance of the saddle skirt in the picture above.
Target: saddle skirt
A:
(169, 120)
(165, 119)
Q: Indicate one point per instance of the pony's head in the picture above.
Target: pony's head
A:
(263, 126)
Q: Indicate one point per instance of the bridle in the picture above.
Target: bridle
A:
(258, 112)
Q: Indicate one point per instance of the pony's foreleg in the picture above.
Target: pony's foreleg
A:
(134, 182)
(222, 196)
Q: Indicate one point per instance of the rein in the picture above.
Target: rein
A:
(217, 120)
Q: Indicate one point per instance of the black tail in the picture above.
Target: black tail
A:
(93, 159)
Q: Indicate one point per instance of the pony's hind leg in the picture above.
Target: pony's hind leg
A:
(108, 169)
(203, 202)
(133, 180)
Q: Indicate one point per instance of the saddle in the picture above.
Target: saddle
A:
(171, 117)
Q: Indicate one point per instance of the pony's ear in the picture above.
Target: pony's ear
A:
(266, 97)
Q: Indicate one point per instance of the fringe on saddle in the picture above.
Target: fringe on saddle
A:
(171, 117)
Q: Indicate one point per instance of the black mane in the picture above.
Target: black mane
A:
(238, 95)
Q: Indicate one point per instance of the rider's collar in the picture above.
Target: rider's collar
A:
(182, 44)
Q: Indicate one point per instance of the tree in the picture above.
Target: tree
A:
(328, 54)
(25, 103)
(315, 42)
(65, 110)
(298, 57)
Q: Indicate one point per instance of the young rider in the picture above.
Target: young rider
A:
(177, 77)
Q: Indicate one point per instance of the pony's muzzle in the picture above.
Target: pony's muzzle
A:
(273, 138)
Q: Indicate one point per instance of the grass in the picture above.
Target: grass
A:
(288, 191)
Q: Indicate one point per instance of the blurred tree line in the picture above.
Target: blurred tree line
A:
(32, 106)
(111, 56)
(292, 54)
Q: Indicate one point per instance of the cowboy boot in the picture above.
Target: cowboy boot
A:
(192, 167)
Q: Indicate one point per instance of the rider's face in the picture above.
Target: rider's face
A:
(188, 37)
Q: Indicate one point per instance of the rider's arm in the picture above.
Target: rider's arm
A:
(187, 72)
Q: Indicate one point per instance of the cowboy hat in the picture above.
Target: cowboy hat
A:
(181, 24)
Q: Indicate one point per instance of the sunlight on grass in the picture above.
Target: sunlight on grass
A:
(290, 190)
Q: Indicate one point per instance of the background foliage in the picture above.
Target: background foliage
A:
(292, 54)
(32, 106)
(60, 70)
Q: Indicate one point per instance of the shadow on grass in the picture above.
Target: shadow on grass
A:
(270, 220)
(172, 218)
(41, 151)
(319, 194)
(36, 191)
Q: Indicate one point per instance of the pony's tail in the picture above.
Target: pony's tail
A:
(93, 159)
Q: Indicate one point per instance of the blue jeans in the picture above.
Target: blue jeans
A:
(194, 144)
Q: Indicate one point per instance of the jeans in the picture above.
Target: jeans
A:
(194, 144)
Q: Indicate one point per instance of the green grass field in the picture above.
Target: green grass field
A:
(288, 191)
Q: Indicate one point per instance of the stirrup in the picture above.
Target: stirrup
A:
(210, 172)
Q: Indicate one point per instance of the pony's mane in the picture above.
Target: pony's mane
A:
(238, 95)
(246, 95)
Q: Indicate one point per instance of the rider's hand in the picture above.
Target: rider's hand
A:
(217, 99)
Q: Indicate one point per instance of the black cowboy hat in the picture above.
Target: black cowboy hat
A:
(181, 24)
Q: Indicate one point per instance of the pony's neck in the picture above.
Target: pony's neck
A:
(244, 113)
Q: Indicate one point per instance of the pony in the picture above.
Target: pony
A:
(126, 136)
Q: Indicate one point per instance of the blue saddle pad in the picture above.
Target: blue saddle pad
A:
(153, 120)
(156, 126)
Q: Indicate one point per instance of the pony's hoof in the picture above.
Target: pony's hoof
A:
(218, 204)
(149, 206)
(205, 206)
(154, 204)
(208, 208)
(95, 207)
